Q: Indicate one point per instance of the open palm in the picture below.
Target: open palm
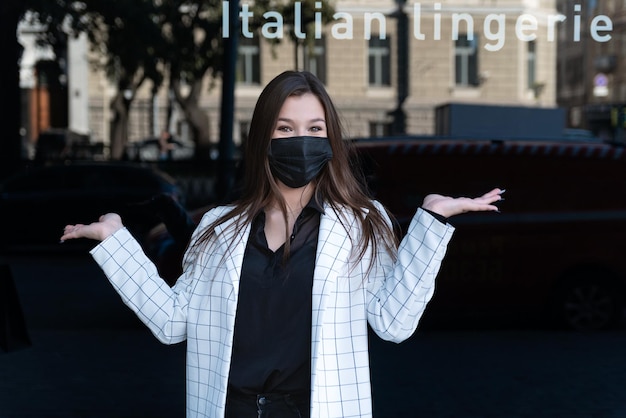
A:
(449, 206)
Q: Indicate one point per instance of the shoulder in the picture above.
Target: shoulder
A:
(345, 210)
(355, 217)
(214, 214)
(213, 219)
(379, 207)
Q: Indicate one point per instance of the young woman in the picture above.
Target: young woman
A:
(278, 288)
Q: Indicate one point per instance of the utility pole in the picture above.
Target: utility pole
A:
(398, 125)
(226, 163)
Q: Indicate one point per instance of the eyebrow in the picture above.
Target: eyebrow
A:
(291, 121)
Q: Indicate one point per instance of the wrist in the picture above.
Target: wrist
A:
(109, 231)
(435, 209)
(441, 218)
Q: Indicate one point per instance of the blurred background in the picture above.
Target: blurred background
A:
(143, 107)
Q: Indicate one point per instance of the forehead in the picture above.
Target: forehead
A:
(305, 106)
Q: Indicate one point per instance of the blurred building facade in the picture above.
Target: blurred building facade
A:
(590, 71)
(456, 52)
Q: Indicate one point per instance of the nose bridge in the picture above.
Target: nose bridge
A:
(300, 130)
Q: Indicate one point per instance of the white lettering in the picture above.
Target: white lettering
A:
(601, 23)
(525, 23)
(318, 21)
(343, 30)
(382, 25)
(527, 26)
(417, 22)
(552, 21)
(297, 30)
(273, 30)
(456, 19)
(245, 23)
(437, 23)
(576, 37)
(498, 35)
(225, 19)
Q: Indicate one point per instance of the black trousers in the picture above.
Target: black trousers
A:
(267, 405)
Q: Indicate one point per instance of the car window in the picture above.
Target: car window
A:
(111, 177)
(49, 179)
(136, 178)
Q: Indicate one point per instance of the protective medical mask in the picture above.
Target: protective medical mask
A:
(299, 159)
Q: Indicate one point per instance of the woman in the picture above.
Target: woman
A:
(278, 288)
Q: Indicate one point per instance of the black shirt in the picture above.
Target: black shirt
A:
(272, 336)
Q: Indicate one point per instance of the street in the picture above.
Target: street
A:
(500, 374)
(90, 357)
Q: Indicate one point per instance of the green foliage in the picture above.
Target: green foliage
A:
(153, 38)
(49, 14)
(191, 35)
(141, 40)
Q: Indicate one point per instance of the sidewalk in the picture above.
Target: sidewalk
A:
(93, 373)
(91, 358)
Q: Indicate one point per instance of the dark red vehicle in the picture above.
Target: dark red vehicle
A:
(554, 254)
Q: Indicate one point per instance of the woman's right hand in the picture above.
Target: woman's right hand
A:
(105, 227)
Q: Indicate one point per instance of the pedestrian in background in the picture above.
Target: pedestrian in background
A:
(278, 288)
(166, 145)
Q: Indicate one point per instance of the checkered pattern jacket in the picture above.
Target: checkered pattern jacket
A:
(200, 308)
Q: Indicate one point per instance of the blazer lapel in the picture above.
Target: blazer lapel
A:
(333, 251)
(234, 244)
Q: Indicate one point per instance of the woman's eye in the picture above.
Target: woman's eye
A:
(283, 129)
(316, 129)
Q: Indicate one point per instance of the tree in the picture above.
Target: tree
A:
(193, 51)
(176, 40)
(300, 16)
(156, 40)
(193, 32)
(128, 36)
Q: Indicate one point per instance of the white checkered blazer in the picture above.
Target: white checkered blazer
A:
(200, 308)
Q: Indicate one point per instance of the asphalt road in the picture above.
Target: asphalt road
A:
(90, 357)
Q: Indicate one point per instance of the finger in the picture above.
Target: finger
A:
(483, 208)
(493, 196)
(494, 192)
(65, 237)
(487, 200)
(72, 228)
(71, 232)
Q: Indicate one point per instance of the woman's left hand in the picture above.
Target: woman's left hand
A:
(449, 206)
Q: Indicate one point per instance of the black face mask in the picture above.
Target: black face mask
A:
(297, 160)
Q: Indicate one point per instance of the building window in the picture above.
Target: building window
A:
(380, 129)
(532, 64)
(379, 53)
(315, 58)
(466, 61)
(249, 61)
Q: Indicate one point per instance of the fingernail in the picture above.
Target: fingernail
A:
(502, 191)
(61, 242)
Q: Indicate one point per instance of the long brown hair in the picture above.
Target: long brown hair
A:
(337, 184)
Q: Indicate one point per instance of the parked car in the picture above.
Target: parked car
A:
(149, 150)
(555, 252)
(554, 255)
(37, 202)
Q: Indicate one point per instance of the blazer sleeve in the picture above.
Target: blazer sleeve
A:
(136, 279)
(163, 309)
(398, 292)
